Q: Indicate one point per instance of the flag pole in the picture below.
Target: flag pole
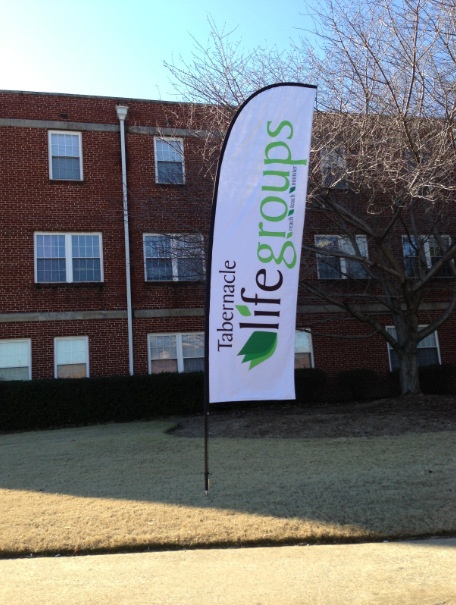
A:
(206, 452)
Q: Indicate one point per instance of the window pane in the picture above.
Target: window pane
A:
(85, 246)
(14, 354)
(71, 351)
(164, 365)
(394, 359)
(190, 256)
(302, 342)
(303, 349)
(163, 347)
(169, 150)
(15, 360)
(411, 248)
(428, 352)
(66, 169)
(65, 162)
(356, 269)
(78, 370)
(333, 168)
(157, 246)
(86, 270)
(86, 258)
(194, 365)
(427, 357)
(329, 267)
(192, 345)
(14, 374)
(429, 341)
(302, 360)
(190, 269)
(170, 173)
(65, 145)
(158, 257)
(51, 271)
(436, 253)
(50, 253)
(163, 353)
(169, 161)
(50, 246)
(159, 269)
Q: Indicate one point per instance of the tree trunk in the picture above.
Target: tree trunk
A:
(408, 372)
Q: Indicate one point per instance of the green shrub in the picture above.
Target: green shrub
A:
(40, 404)
(309, 384)
(438, 379)
(358, 384)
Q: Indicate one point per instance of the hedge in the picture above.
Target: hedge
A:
(42, 404)
(360, 384)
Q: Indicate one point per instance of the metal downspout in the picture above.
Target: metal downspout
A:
(122, 111)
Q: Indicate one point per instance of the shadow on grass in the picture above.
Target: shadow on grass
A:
(364, 488)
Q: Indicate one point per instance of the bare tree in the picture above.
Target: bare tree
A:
(380, 241)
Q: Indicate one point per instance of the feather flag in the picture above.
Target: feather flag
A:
(255, 246)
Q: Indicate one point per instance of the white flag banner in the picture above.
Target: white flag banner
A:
(256, 238)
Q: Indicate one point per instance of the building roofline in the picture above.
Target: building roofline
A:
(104, 97)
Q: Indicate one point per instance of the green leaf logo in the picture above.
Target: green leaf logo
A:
(259, 347)
(292, 189)
(290, 212)
(244, 310)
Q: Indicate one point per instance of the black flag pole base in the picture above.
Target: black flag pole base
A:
(206, 453)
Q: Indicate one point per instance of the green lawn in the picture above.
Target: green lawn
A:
(132, 486)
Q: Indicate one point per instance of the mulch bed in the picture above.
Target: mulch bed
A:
(397, 416)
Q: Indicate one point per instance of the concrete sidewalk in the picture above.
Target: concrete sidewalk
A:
(412, 573)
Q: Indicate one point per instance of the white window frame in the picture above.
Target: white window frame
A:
(15, 341)
(421, 344)
(71, 133)
(68, 257)
(333, 162)
(179, 348)
(343, 261)
(428, 242)
(61, 339)
(177, 142)
(309, 350)
(174, 251)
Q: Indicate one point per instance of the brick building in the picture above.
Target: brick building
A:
(104, 208)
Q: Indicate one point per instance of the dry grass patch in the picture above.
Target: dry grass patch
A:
(134, 486)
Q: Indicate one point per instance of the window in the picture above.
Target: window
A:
(331, 264)
(176, 352)
(173, 257)
(334, 168)
(428, 350)
(65, 156)
(68, 257)
(71, 357)
(418, 171)
(421, 253)
(169, 161)
(303, 349)
(15, 359)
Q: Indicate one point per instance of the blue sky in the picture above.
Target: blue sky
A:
(114, 48)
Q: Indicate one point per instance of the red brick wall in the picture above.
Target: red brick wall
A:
(30, 202)
(108, 355)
